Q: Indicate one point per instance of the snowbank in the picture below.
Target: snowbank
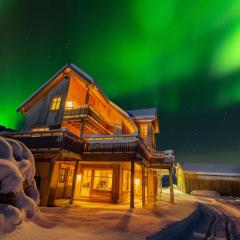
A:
(205, 193)
(19, 196)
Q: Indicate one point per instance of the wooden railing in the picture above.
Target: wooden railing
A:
(111, 147)
(62, 139)
(154, 157)
(53, 139)
(86, 111)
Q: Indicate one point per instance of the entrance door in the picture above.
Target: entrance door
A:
(86, 183)
(65, 179)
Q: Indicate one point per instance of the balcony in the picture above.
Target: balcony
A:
(49, 140)
(92, 118)
(111, 144)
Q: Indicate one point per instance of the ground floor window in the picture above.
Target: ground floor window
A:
(102, 180)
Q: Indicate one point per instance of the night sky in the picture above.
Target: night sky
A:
(182, 57)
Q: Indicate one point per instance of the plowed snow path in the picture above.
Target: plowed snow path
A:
(215, 224)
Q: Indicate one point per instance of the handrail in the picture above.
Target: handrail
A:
(85, 111)
(96, 147)
(61, 138)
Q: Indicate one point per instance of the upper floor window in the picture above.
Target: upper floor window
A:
(56, 101)
(143, 130)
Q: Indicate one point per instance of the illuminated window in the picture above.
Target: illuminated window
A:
(69, 105)
(103, 180)
(126, 180)
(72, 105)
(143, 130)
(56, 103)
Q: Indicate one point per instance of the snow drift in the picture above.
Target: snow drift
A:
(19, 196)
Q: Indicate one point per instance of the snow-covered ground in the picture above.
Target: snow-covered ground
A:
(159, 220)
(103, 221)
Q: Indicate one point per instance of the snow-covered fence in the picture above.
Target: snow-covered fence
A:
(19, 196)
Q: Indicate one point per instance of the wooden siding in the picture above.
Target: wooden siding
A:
(225, 185)
(41, 114)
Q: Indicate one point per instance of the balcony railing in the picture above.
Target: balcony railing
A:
(62, 139)
(53, 139)
(86, 111)
(110, 147)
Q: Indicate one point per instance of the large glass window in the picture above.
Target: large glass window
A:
(126, 180)
(103, 180)
(56, 103)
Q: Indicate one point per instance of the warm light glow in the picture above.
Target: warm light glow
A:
(137, 181)
(56, 103)
(69, 104)
(144, 130)
(79, 176)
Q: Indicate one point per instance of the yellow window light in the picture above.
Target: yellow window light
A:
(69, 105)
(56, 103)
(137, 181)
(79, 176)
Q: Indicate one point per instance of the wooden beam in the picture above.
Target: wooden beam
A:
(143, 185)
(132, 184)
(47, 187)
(74, 182)
(171, 186)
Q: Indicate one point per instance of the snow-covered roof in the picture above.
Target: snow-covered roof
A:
(76, 69)
(147, 113)
(212, 169)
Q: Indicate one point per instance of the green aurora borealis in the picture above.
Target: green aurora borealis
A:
(181, 56)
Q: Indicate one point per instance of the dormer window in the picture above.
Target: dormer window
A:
(56, 101)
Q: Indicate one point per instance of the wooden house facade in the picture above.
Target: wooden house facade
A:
(88, 148)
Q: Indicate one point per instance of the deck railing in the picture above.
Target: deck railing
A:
(110, 147)
(86, 111)
(62, 139)
(53, 139)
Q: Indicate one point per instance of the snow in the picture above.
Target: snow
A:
(205, 193)
(99, 221)
(157, 220)
(112, 141)
(17, 169)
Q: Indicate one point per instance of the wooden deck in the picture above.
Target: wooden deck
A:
(123, 148)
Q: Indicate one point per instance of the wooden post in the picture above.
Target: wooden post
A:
(74, 182)
(45, 199)
(132, 184)
(143, 185)
(171, 186)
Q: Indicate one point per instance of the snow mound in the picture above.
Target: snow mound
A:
(205, 193)
(19, 196)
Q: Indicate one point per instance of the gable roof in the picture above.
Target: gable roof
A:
(71, 66)
(147, 113)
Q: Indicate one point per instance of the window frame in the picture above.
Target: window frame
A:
(57, 103)
(94, 176)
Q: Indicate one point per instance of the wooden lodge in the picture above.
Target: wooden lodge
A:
(88, 148)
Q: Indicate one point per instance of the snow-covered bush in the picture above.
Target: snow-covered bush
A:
(19, 196)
